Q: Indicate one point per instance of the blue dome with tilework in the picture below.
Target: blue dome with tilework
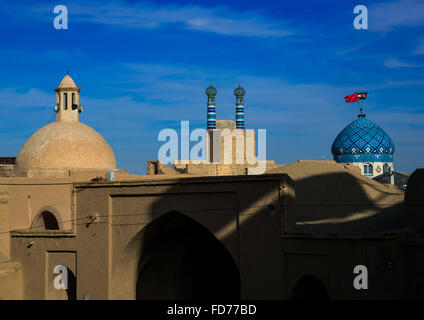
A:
(363, 141)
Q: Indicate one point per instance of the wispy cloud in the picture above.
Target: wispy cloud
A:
(160, 95)
(405, 83)
(13, 97)
(395, 63)
(420, 48)
(145, 15)
(385, 16)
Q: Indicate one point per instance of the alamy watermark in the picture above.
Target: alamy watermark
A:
(60, 21)
(61, 280)
(207, 147)
(361, 20)
(360, 282)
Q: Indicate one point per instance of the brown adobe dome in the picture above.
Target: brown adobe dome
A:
(66, 145)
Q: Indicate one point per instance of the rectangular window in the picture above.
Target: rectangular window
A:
(65, 102)
(368, 170)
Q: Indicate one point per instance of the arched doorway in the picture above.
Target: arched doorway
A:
(185, 261)
(309, 288)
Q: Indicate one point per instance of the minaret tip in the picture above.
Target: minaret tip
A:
(239, 92)
(67, 100)
(211, 113)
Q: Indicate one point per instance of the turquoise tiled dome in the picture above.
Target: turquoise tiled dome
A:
(363, 141)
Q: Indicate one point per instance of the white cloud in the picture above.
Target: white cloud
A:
(12, 97)
(144, 15)
(395, 63)
(405, 83)
(304, 118)
(386, 16)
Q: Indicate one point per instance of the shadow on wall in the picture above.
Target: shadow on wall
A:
(182, 260)
(341, 203)
(178, 253)
(414, 202)
(71, 292)
(180, 257)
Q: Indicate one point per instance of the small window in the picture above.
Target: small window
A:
(368, 170)
(65, 101)
(385, 168)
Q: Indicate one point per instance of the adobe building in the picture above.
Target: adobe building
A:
(295, 232)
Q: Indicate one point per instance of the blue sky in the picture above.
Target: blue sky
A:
(144, 66)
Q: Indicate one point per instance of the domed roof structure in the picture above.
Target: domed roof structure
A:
(363, 141)
(211, 91)
(67, 82)
(66, 143)
(239, 91)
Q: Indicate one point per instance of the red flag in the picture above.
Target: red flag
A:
(352, 97)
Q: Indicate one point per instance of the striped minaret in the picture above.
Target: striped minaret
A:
(211, 93)
(239, 92)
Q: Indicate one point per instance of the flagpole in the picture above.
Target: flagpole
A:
(361, 115)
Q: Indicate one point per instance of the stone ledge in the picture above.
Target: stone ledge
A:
(44, 233)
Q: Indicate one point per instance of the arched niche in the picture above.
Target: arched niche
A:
(48, 218)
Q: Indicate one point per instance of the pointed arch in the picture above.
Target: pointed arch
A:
(175, 257)
(184, 260)
(48, 218)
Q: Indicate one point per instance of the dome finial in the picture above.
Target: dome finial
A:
(361, 96)
(211, 113)
(239, 92)
(361, 115)
(211, 91)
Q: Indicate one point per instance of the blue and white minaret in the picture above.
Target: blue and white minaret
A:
(239, 92)
(211, 93)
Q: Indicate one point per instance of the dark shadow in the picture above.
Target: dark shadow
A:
(309, 288)
(179, 256)
(414, 202)
(337, 202)
(71, 292)
(50, 221)
(45, 221)
(183, 260)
